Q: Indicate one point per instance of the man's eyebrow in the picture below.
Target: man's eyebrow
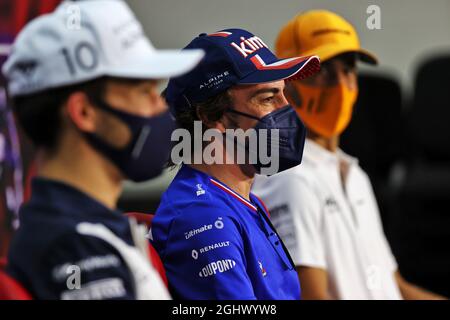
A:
(265, 90)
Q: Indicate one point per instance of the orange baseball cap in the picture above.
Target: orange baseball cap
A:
(322, 33)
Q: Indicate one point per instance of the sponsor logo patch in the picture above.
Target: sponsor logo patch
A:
(219, 223)
(195, 232)
(195, 253)
(214, 246)
(249, 46)
(263, 271)
(200, 190)
(219, 266)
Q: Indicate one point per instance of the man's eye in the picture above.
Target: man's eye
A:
(269, 99)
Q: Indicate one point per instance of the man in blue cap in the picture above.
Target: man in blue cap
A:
(86, 95)
(213, 235)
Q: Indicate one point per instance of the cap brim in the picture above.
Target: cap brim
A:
(328, 52)
(284, 69)
(159, 65)
(5, 49)
(367, 57)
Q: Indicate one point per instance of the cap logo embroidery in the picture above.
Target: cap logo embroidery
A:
(27, 68)
(325, 31)
(248, 46)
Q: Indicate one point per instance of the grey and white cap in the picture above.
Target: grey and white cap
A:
(84, 40)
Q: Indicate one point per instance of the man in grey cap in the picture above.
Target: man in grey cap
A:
(85, 92)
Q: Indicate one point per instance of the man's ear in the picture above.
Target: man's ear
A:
(219, 125)
(81, 112)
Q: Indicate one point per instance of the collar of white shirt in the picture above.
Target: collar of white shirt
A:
(318, 155)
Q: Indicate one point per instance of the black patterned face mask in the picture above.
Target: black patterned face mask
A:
(149, 149)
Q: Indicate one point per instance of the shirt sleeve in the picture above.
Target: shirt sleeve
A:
(80, 267)
(204, 256)
(384, 244)
(296, 214)
(390, 258)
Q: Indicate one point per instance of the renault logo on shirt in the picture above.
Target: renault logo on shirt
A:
(218, 245)
(215, 246)
(219, 266)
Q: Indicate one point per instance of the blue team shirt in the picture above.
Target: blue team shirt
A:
(217, 245)
(47, 244)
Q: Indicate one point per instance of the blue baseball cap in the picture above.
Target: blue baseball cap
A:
(233, 57)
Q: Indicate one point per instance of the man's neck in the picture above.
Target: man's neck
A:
(330, 144)
(84, 169)
(232, 175)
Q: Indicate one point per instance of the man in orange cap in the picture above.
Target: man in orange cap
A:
(325, 209)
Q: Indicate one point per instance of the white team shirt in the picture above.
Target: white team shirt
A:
(326, 226)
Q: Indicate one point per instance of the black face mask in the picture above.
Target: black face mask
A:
(291, 138)
(145, 156)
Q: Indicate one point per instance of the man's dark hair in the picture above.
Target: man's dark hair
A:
(39, 115)
(211, 110)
